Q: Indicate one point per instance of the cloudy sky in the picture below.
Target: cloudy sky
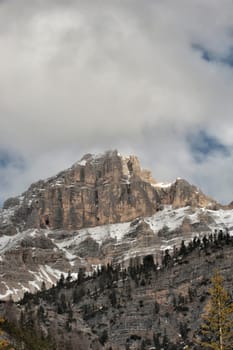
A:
(153, 78)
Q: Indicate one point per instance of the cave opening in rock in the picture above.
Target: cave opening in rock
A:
(96, 198)
(130, 166)
(47, 221)
(148, 261)
(128, 189)
(82, 174)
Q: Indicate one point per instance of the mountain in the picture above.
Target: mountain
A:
(103, 209)
(98, 190)
(115, 260)
(144, 306)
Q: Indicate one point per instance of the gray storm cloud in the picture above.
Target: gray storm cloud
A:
(80, 76)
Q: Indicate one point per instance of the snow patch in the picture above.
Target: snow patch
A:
(33, 283)
(167, 218)
(82, 162)
(8, 291)
(162, 184)
(34, 233)
(7, 294)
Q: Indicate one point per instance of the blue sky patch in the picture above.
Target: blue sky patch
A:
(209, 56)
(229, 58)
(9, 162)
(203, 145)
(5, 159)
(8, 159)
(205, 54)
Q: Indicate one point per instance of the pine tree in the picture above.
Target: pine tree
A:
(217, 328)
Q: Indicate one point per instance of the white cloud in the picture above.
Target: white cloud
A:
(84, 76)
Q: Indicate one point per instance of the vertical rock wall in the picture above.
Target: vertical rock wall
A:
(100, 190)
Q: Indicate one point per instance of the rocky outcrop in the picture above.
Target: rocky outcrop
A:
(143, 307)
(95, 191)
(230, 205)
(34, 256)
(26, 261)
(102, 209)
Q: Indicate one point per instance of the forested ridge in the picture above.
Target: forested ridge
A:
(146, 304)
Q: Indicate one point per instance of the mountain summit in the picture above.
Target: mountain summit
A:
(99, 190)
(103, 209)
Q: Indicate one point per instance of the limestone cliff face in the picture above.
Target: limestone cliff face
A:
(98, 190)
(180, 193)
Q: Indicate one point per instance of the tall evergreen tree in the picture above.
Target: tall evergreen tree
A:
(217, 327)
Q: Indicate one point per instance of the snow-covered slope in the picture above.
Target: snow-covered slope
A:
(30, 257)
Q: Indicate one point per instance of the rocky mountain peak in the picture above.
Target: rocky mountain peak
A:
(104, 208)
(97, 190)
(115, 167)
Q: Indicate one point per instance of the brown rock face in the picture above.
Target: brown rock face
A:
(181, 194)
(99, 190)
